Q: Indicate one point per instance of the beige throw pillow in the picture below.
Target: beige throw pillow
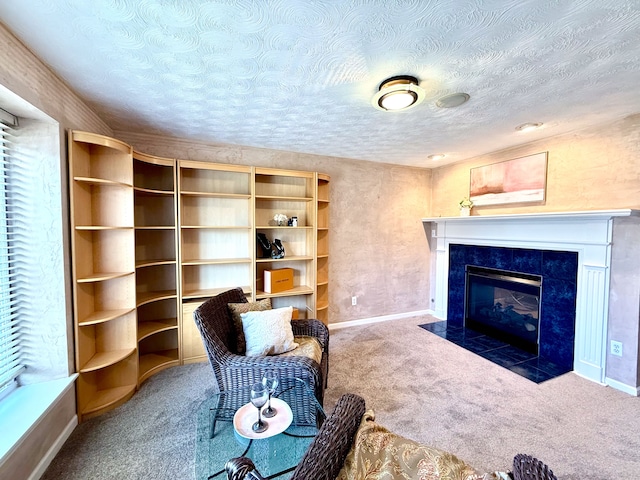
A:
(236, 310)
(268, 332)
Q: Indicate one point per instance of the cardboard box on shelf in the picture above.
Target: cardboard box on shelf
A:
(278, 280)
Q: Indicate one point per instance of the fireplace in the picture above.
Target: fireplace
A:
(504, 305)
(589, 272)
(557, 311)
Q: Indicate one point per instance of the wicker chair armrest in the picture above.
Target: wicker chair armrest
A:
(325, 456)
(312, 327)
(526, 467)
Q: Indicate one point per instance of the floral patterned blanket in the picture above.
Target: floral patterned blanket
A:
(378, 454)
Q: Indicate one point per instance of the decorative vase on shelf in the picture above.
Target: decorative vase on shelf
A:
(465, 207)
(280, 219)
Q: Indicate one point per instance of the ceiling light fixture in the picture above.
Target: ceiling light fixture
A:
(453, 100)
(436, 156)
(398, 93)
(528, 127)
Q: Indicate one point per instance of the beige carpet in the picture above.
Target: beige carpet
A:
(419, 385)
(431, 390)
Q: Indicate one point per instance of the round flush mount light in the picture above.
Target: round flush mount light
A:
(453, 100)
(436, 156)
(398, 93)
(528, 127)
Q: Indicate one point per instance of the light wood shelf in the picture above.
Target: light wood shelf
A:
(210, 292)
(287, 258)
(146, 297)
(300, 290)
(153, 262)
(146, 329)
(102, 276)
(105, 359)
(152, 363)
(107, 399)
(103, 316)
(214, 261)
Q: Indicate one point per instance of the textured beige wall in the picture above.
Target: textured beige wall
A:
(593, 169)
(26, 76)
(378, 250)
(624, 302)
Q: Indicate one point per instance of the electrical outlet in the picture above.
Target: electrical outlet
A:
(616, 348)
(354, 301)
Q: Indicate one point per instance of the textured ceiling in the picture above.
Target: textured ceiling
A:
(299, 75)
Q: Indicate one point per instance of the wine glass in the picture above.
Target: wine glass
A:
(259, 396)
(270, 381)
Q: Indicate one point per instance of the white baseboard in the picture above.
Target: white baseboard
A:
(382, 318)
(635, 391)
(46, 460)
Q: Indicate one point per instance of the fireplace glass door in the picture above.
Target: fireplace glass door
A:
(504, 305)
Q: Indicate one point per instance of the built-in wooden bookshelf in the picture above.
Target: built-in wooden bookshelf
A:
(322, 249)
(157, 294)
(103, 270)
(216, 238)
(153, 238)
(291, 193)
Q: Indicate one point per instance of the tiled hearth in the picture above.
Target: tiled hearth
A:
(523, 363)
(580, 240)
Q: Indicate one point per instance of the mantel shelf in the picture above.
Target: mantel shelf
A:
(539, 215)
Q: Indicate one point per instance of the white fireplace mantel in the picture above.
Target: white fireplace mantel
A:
(589, 233)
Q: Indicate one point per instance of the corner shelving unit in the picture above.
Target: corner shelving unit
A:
(216, 238)
(103, 269)
(293, 194)
(157, 295)
(322, 248)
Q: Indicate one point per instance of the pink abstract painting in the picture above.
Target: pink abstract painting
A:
(519, 180)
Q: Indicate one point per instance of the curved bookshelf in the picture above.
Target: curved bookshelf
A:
(157, 293)
(103, 269)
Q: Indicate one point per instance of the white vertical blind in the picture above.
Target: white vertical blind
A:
(12, 181)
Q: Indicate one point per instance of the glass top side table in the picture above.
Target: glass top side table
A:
(275, 456)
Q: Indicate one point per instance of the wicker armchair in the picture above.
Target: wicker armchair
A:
(326, 454)
(231, 370)
(526, 467)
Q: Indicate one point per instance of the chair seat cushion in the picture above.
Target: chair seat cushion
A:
(236, 309)
(268, 332)
(307, 347)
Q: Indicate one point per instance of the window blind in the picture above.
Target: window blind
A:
(12, 182)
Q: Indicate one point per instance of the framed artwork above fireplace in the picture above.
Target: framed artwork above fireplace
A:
(521, 180)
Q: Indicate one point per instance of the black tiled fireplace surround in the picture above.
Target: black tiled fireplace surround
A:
(559, 271)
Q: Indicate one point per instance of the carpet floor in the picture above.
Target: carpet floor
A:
(419, 385)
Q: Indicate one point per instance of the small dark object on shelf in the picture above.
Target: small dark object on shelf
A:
(277, 249)
(264, 244)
